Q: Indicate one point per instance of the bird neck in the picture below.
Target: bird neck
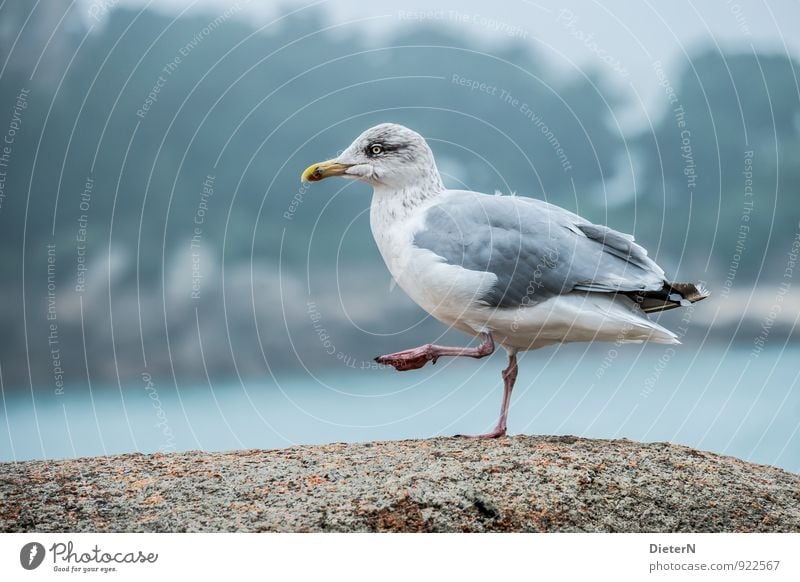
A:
(401, 200)
(397, 204)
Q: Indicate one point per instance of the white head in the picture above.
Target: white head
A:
(387, 155)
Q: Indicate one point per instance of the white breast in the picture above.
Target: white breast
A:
(447, 292)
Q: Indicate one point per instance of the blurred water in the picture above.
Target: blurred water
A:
(727, 401)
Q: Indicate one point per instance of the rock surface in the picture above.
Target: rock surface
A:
(522, 483)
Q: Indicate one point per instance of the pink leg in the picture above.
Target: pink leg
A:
(418, 357)
(509, 377)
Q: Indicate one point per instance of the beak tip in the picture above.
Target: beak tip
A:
(322, 170)
(310, 174)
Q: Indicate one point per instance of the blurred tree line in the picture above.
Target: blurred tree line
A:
(147, 107)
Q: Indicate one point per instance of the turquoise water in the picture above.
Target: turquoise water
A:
(726, 401)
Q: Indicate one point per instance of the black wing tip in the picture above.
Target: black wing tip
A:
(671, 296)
(691, 292)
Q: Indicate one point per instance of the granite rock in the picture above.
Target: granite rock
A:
(515, 484)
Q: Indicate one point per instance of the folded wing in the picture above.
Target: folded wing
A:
(534, 249)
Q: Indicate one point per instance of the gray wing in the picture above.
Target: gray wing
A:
(535, 249)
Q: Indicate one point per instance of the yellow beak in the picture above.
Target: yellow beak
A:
(322, 170)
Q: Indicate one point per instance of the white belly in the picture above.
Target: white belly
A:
(572, 318)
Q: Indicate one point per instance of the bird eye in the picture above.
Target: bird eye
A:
(376, 149)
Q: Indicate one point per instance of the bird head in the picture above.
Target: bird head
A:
(388, 155)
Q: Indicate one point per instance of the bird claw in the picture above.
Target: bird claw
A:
(404, 362)
(495, 434)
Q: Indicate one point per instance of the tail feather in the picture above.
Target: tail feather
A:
(670, 296)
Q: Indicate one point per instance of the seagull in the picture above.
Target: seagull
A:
(506, 269)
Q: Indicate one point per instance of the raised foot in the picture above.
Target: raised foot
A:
(409, 359)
